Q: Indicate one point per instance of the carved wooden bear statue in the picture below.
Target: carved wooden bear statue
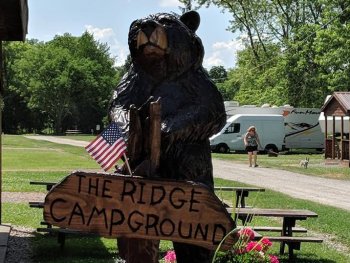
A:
(167, 64)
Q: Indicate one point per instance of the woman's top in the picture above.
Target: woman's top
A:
(251, 139)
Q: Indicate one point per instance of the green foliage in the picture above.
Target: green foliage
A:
(17, 117)
(67, 82)
(331, 46)
(296, 52)
(259, 83)
(218, 74)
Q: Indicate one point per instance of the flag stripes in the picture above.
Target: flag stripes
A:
(108, 147)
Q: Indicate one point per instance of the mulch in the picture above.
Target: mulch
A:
(18, 245)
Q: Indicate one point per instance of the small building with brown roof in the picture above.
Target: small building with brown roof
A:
(337, 143)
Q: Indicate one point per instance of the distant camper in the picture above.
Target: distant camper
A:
(301, 125)
(230, 138)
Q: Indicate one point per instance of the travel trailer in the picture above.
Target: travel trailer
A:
(302, 128)
(270, 128)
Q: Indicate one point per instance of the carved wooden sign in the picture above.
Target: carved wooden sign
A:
(113, 205)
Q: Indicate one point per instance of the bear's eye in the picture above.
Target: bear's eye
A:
(135, 24)
(165, 21)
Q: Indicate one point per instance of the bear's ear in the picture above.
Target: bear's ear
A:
(191, 19)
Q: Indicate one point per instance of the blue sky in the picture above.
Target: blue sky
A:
(109, 21)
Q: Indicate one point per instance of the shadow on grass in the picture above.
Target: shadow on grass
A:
(76, 249)
(304, 258)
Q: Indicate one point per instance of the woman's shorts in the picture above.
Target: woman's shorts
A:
(251, 148)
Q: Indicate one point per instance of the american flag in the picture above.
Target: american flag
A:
(108, 147)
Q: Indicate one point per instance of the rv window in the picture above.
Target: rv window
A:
(233, 128)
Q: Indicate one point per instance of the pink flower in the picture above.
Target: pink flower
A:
(273, 259)
(266, 242)
(247, 233)
(254, 246)
(170, 257)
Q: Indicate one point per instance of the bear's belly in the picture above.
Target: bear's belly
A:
(173, 98)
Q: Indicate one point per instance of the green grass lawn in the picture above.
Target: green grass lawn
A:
(25, 160)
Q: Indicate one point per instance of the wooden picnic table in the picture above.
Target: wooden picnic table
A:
(289, 216)
(241, 193)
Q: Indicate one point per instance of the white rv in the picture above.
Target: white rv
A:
(302, 129)
(270, 128)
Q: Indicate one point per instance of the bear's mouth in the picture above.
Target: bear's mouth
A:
(155, 44)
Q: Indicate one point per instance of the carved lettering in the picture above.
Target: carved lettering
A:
(137, 223)
(193, 200)
(105, 189)
(180, 202)
(128, 190)
(52, 209)
(157, 196)
(133, 207)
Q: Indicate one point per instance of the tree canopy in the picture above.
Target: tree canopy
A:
(67, 82)
(296, 51)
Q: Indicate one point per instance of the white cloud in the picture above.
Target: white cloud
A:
(169, 3)
(222, 54)
(100, 33)
(107, 35)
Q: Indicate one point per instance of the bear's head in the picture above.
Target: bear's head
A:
(164, 46)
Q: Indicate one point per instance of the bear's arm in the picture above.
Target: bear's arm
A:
(203, 117)
(118, 111)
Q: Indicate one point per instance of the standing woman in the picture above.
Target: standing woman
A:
(251, 142)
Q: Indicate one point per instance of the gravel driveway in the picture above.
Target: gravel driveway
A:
(322, 190)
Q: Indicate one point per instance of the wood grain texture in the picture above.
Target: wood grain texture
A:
(113, 205)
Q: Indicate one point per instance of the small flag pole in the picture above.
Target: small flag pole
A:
(127, 163)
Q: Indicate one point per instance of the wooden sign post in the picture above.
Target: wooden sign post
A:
(114, 205)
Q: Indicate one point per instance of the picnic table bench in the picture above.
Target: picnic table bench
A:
(48, 185)
(72, 132)
(289, 217)
(61, 232)
(241, 192)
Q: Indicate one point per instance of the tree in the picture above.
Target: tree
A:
(69, 80)
(218, 74)
(49, 86)
(94, 81)
(332, 47)
(311, 59)
(260, 83)
(17, 116)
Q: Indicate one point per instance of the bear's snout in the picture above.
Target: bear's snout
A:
(152, 34)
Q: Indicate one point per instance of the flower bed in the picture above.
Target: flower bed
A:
(244, 250)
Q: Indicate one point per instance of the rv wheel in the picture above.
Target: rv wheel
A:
(222, 148)
(271, 148)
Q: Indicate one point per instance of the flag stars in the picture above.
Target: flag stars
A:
(112, 133)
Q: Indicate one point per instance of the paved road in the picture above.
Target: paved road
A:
(326, 191)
